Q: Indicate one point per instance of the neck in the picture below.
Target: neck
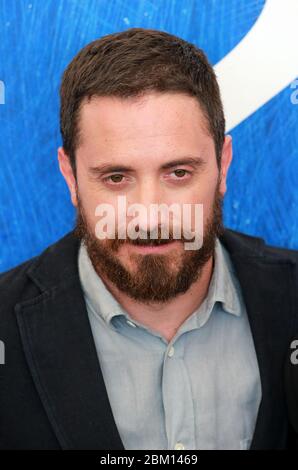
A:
(166, 318)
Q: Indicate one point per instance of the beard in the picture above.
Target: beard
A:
(157, 278)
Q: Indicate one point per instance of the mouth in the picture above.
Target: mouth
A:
(155, 248)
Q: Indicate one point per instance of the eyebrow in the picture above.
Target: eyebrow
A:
(104, 168)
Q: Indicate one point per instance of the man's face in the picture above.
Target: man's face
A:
(152, 150)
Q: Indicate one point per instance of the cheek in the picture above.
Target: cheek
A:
(204, 196)
(89, 203)
(90, 199)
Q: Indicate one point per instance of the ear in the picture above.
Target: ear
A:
(226, 158)
(66, 170)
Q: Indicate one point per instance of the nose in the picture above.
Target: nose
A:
(148, 194)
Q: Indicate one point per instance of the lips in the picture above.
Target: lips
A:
(156, 246)
(151, 243)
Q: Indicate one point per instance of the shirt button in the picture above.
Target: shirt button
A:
(131, 323)
(179, 446)
(171, 351)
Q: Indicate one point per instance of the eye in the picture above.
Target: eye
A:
(116, 178)
(180, 172)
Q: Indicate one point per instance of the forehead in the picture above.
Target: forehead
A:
(154, 122)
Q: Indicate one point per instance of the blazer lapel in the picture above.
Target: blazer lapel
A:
(61, 354)
(269, 312)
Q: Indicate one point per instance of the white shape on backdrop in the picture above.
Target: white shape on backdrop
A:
(262, 64)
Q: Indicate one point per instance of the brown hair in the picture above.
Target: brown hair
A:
(128, 64)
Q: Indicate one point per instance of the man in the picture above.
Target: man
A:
(140, 343)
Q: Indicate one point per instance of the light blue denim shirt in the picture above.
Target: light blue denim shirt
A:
(199, 391)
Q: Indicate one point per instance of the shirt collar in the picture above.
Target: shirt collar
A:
(97, 295)
(222, 287)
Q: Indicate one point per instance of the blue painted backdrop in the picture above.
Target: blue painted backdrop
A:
(37, 40)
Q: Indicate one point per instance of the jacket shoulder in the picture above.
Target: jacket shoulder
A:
(282, 252)
(244, 243)
(53, 265)
(14, 279)
(14, 286)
